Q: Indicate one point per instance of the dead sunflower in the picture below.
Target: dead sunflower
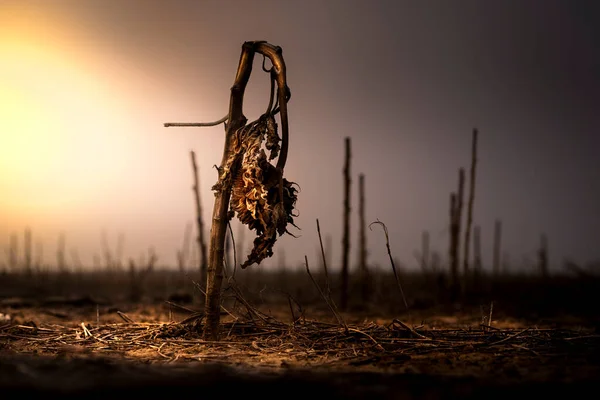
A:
(262, 199)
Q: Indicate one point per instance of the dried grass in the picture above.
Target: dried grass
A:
(263, 339)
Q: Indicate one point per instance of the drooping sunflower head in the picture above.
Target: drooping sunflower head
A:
(262, 199)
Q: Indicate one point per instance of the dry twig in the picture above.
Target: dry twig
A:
(387, 244)
(327, 298)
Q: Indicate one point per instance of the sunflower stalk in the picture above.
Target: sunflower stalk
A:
(248, 183)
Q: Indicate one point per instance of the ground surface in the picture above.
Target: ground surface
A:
(79, 347)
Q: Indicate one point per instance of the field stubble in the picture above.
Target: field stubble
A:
(71, 340)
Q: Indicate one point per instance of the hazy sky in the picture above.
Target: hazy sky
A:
(86, 85)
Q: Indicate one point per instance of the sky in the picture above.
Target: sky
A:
(86, 86)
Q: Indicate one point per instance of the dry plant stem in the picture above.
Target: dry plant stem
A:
(497, 247)
(12, 253)
(455, 220)
(253, 312)
(346, 234)
(324, 261)
(363, 240)
(236, 121)
(387, 244)
(239, 247)
(234, 250)
(171, 304)
(199, 221)
(543, 256)
(125, 317)
(425, 251)
(196, 124)
(183, 254)
(227, 257)
(107, 253)
(470, 205)
(328, 301)
(291, 309)
(119, 250)
(27, 250)
(380, 347)
(60, 253)
(411, 330)
(452, 245)
(477, 249)
(510, 337)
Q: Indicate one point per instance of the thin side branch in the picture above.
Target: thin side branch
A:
(328, 301)
(324, 260)
(196, 124)
(387, 244)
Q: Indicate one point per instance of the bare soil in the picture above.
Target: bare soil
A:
(86, 348)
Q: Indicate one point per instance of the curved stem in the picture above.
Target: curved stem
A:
(283, 93)
(272, 91)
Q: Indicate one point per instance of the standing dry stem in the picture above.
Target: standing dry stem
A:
(27, 250)
(466, 255)
(262, 198)
(199, 220)
(477, 250)
(459, 210)
(425, 252)
(456, 205)
(324, 260)
(364, 273)
(328, 300)
(13, 252)
(497, 247)
(346, 237)
(61, 260)
(389, 251)
(543, 256)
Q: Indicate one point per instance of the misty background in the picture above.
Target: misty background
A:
(86, 86)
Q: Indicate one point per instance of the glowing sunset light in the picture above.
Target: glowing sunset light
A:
(44, 96)
(78, 150)
(86, 86)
